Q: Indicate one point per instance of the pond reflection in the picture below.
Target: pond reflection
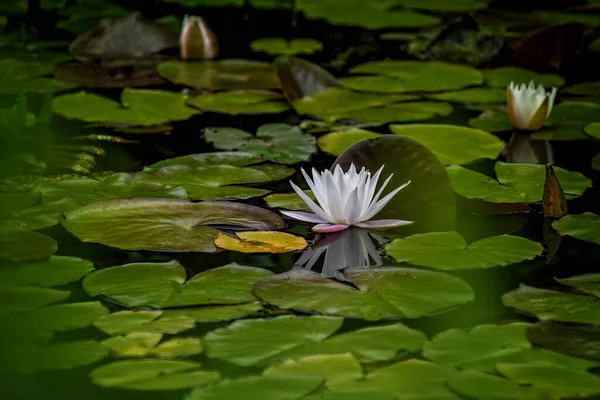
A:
(353, 247)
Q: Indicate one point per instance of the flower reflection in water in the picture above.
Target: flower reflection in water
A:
(353, 247)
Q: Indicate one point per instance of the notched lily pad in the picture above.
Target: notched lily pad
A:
(125, 322)
(503, 76)
(142, 344)
(241, 102)
(19, 244)
(54, 271)
(584, 226)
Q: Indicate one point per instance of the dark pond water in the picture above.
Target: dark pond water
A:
(143, 248)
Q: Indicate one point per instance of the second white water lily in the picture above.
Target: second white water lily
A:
(345, 199)
(529, 106)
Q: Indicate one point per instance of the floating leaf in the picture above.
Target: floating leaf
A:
(453, 144)
(138, 107)
(216, 313)
(593, 130)
(22, 298)
(584, 89)
(259, 387)
(517, 183)
(43, 215)
(478, 385)
(142, 344)
(54, 271)
(221, 75)
(164, 285)
(19, 244)
(581, 341)
(289, 201)
(428, 200)
(416, 76)
(437, 5)
(503, 76)
(484, 346)
(574, 113)
(492, 121)
(336, 142)
(124, 322)
(54, 356)
(282, 46)
(550, 305)
(449, 251)
(152, 375)
(163, 224)
(281, 143)
(261, 242)
(384, 296)
(240, 102)
(85, 190)
(584, 226)
(399, 112)
(473, 95)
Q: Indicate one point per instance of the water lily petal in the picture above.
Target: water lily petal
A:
(352, 208)
(310, 203)
(375, 208)
(304, 216)
(381, 224)
(329, 228)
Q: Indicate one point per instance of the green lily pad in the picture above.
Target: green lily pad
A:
(399, 112)
(125, 322)
(517, 183)
(428, 200)
(574, 113)
(584, 89)
(560, 381)
(142, 344)
(377, 298)
(152, 375)
(54, 271)
(492, 121)
(259, 387)
(43, 215)
(449, 251)
(478, 385)
(30, 76)
(53, 357)
(441, 5)
(240, 102)
(221, 75)
(503, 76)
(22, 298)
(559, 133)
(336, 142)
(163, 224)
(453, 144)
(588, 283)
(289, 201)
(281, 143)
(412, 379)
(366, 15)
(337, 369)
(484, 346)
(582, 341)
(356, 395)
(275, 46)
(208, 176)
(164, 285)
(291, 337)
(138, 107)
(584, 226)
(416, 76)
(593, 130)
(473, 95)
(18, 244)
(549, 305)
(85, 190)
(217, 313)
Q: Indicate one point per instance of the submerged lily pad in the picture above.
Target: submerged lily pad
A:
(163, 224)
(85, 190)
(549, 305)
(138, 107)
(414, 76)
(259, 387)
(54, 271)
(484, 346)
(281, 143)
(152, 375)
(240, 102)
(503, 76)
(221, 75)
(453, 144)
(19, 244)
(124, 322)
(281, 46)
(165, 285)
(291, 337)
(378, 296)
(449, 251)
(517, 183)
(261, 242)
(428, 200)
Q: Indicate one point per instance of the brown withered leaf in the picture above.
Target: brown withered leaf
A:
(554, 202)
(301, 78)
(548, 46)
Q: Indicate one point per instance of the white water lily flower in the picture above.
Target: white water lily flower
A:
(345, 199)
(529, 107)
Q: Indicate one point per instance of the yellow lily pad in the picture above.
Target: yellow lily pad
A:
(261, 242)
